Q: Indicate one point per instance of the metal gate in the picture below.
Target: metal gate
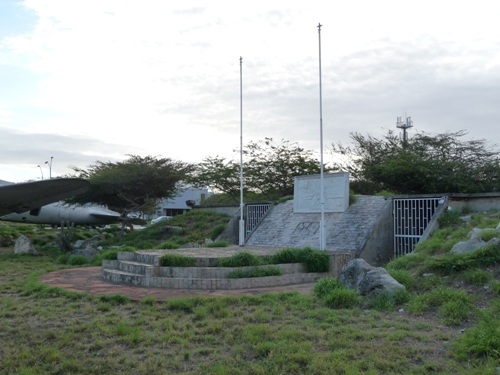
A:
(411, 217)
(254, 213)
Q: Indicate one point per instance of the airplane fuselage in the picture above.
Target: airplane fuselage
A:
(59, 213)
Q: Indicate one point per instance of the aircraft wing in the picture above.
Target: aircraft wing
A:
(26, 196)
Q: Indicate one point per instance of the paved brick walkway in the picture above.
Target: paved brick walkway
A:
(88, 280)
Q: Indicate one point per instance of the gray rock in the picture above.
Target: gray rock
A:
(469, 246)
(368, 280)
(23, 245)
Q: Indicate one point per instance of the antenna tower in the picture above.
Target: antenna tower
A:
(404, 125)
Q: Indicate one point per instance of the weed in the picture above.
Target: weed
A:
(149, 300)
(324, 286)
(342, 299)
(477, 276)
(480, 341)
(114, 299)
(488, 234)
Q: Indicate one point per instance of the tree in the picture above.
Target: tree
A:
(133, 185)
(425, 164)
(269, 169)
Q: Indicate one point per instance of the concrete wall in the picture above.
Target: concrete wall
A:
(379, 247)
(480, 202)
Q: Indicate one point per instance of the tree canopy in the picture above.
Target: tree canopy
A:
(269, 169)
(132, 185)
(425, 164)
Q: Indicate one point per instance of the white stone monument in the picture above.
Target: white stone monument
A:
(306, 194)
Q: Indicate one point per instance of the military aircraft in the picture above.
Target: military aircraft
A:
(60, 213)
(55, 214)
(27, 196)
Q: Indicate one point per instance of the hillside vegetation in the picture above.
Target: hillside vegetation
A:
(447, 322)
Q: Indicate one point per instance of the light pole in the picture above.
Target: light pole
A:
(50, 167)
(40, 170)
(322, 234)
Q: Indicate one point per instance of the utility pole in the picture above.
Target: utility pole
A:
(242, 205)
(322, 234)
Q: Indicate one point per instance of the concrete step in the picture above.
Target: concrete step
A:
(121, 277)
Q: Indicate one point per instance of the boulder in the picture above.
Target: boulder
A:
(23, 245)
(368, 280)
(469, 246)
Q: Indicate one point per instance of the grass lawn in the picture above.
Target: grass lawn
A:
(448, 322)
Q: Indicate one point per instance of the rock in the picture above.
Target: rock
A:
(368, 280)
(469, 246)
(23, 245)
(88, 248)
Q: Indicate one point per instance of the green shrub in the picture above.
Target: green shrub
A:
(255, 272)
(488, 234)
(218, 244)
(243, 259)
(449, 219)
(324, 286)
(216, 231)
(175, 260)
(317, 261)
(169, 245)
(495, 287)
(77, 260)
(485, 256)
(313, 260)
(63, 259)
(341, 299)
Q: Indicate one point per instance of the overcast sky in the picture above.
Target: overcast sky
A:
(91, 80)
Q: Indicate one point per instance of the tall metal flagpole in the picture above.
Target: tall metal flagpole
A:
(322, 234)
(242, 205)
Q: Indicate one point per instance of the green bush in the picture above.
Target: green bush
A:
(63, 259)
(77, 260)
(169, 245)
(243, 259)
(324, 286)
(488, 234)
(313, 260)
(485, 256)
(317, 261)
(218, 244)
(449, 219)
(174, 260)
(255, 272)
(342, 299)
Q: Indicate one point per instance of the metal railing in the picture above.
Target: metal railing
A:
(411, 217)
(254, 214)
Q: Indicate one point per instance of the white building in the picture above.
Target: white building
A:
(182, 203)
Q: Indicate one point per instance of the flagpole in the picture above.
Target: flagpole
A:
(322, 234)
(242, 205)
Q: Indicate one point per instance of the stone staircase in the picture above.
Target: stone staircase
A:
(142, 268)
